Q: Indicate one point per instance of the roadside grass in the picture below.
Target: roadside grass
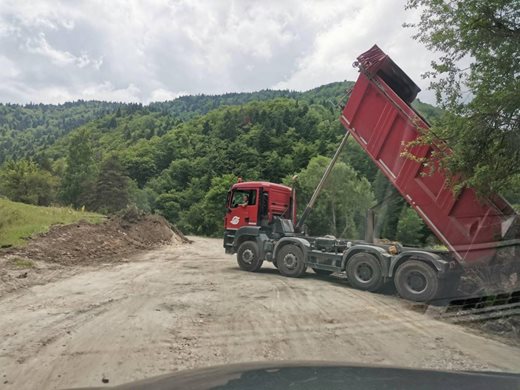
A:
(19, 221)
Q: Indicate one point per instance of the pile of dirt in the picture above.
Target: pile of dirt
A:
(69, 249)
(84, 243)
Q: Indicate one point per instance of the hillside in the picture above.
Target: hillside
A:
(187, 107)
(178, 158)
(20, 221)
(29, 129)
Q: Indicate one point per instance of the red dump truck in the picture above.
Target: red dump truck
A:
(260, 224)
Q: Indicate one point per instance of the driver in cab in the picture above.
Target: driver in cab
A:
(245, 201)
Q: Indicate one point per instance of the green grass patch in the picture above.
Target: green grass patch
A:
(19, 221)
(20, 263)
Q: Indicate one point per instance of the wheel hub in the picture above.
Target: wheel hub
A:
(290, 261)
(416, 282)
(248, 256)
(364, 273)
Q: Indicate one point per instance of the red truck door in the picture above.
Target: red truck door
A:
(242, 208)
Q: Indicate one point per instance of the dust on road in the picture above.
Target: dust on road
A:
(190, 306)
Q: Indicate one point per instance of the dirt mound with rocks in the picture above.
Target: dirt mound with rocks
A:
(68, 249)
(86, 243)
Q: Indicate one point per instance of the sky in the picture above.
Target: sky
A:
(144, 51)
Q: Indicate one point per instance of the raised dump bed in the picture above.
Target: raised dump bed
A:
(379, 116)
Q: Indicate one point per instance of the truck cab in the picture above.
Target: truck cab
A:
(257, 205)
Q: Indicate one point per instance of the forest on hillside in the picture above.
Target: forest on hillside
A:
(179, 158)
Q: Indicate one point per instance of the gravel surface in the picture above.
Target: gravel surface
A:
(188, 305)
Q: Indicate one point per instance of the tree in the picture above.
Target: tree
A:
(341, 207)
(140, 167)
(390, 205)
(112, 187)
(214, 205)
(139, 197)
(24, 181)
(410, 228)
(482, 100)
(78, 180)
(168, 205)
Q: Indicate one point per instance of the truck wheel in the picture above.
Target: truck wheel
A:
(247, 256)
(322, 272)
(290, 261)
(416, 281)
(364, 272)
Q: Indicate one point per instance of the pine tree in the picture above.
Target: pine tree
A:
(79, 174)
(410, 228)
(112, 187)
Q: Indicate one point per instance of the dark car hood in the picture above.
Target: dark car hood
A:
(322, 375)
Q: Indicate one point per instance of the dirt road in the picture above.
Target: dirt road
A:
(190, 306)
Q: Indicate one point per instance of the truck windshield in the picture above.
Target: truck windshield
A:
(244, 198)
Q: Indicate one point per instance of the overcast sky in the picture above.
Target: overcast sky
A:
(142, 51)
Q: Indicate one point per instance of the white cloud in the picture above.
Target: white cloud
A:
(107, 91)
(40, 45)
(161, 95)
(143, 51)
(8, 68)
(335, 48)
(57, 94)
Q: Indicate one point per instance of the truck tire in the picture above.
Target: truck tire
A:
(322, 272)
(416, 281)
(247, 256)
(290, 261)
(364, 272)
